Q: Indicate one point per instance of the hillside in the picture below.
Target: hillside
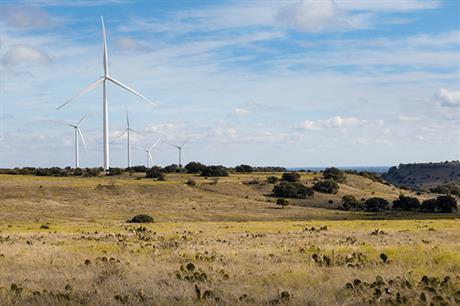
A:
(424, 175)
(64, 241)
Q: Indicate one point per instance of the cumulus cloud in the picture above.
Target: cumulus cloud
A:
(126, 43)
(161, 128)
(240, 111)
(403, 118)
(24, 54)
(24, 17)
(339, 122)
(319, 16)
(448, 98)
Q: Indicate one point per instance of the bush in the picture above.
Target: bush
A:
(290, 177)
(406, 203)
(141, 219)
(77, 172)
(172, 168)
(154, 172)
(282, 202)
(376, 204)
(444, 204)
(191, 182)
(272, 179)
(114, 171)
(350, 202)
(448, 188)
(139, 169)
(334, 174)
(194, 167)
(326, 186)
(90, 172)
(244, 169)
(292, 190)
(214, 171)
(429, 205)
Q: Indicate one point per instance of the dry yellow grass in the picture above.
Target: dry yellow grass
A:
(243, 250)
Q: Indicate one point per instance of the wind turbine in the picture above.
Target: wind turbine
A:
(105, 108)
(77, 134)
(128, 132)
(180, 148)
(149, 153)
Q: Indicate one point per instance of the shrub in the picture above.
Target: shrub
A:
(141, 219)
(334, 174)
(376, 204)
(406, 203)
(191, 182)
(292, 190)
(290, 177)
(350, 202)
(77, 172)
(154, 172)
(90, 172)
(139, 169)
(172, 168)
(282, 202)
(272, 179)
(194, 167)
(446, 203)
(448, 188)
(429, 205)
(114, 171)
(244, 169)
(326, 186)
(214, 171)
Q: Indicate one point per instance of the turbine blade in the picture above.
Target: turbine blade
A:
(136, 131)
(82, 118)
(140, 148)
(82, 92)
(130, 90)
(176, 146)
(127, 117)
(153, 146)
(82, 138)
(116, 138)
(104, 47)
(62, 122)
(185, 142)
(151, 159)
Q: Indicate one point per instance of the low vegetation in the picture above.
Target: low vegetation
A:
(292, 190)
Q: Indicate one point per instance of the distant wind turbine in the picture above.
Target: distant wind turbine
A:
(127, 131)
(77, 134)
(149, 153)
(105, 108)
(181, 150)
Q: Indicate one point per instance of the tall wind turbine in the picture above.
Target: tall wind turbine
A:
(127, 131)
(105, 108)
(77, 134)
(180, 148)
(149, 153)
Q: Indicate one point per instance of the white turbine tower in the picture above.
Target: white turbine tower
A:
(181, 150)
(105, 108)
(127, 131)
(149, 153)
(77, 134)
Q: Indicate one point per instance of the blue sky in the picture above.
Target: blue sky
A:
(290, 83)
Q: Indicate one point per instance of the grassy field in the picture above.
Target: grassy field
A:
(65, 241)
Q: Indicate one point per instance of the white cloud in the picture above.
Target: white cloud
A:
(240, 111)
(309, 125)
(24, 54)
(403, 118)
(448, 98)
(24, 16)
(126, 43)
(319, 16)
(388, 5)
(339, 122)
